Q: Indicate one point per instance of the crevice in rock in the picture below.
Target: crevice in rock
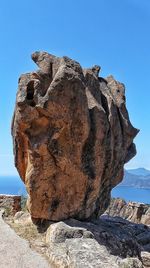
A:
(88, 154)
(105, 188)
(30, 94)
(121, 123)
(105, 104)
(54, 150)
(87, 194)
(55, 204)
(101, 79)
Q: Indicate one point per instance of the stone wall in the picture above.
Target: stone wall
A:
(11, 203)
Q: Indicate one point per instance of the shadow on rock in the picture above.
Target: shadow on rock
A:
(121, 237)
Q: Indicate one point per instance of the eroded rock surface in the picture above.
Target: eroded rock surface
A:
(107, 242)
(74, 247)
(133, 211)
(11, 203)
(72, 136)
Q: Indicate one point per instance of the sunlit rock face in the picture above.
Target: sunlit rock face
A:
(72, 136)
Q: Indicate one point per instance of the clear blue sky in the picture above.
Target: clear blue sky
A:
(112, 33)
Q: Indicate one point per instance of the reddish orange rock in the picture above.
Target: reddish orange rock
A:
(72, 136)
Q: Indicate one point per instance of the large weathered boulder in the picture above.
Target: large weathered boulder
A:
(72, 136)
(75, 247)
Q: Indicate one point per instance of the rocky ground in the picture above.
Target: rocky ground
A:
(15, 252)
(133, 211)
(107, 242)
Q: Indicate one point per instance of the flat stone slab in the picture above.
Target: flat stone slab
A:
(15, 252)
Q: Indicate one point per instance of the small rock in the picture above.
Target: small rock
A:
(130, 263)
(22, 217)
(59, 232)
(145, 258)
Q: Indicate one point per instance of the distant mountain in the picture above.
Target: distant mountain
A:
(138, 178)
(139, 171)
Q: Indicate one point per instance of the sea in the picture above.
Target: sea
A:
(14, 185)
(132, 194)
